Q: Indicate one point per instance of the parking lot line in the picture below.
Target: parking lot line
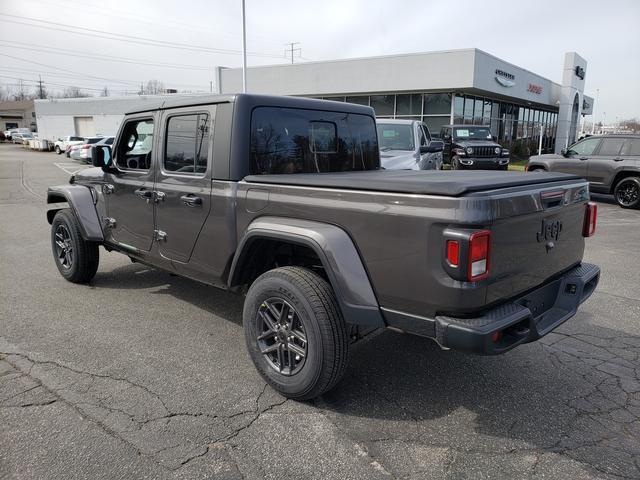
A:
(69, 167)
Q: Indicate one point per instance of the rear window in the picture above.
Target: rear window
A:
(289, 140)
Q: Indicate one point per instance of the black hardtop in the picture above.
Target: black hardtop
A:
(250, 101)
(424, 182)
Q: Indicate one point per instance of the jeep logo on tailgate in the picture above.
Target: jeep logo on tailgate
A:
(549, 230)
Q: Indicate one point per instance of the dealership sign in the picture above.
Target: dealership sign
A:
(505, 79)
(579, 71)
(537, 89)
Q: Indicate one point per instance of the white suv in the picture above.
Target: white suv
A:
(62, 144)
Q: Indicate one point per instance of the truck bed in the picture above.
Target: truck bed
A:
(424, 182)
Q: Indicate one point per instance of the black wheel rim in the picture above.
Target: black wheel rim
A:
(282, 339)
(63, 246)
(627, 194)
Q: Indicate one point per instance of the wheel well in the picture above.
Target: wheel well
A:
(54, 198)
(536, 167)
(264, 254)
(620, 176)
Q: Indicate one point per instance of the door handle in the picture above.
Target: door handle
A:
(618, 159)
(584, 158)
(144, 194)
(191, 200)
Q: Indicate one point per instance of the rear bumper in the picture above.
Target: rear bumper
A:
(520, 320)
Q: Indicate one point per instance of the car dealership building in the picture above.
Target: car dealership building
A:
(458, 86)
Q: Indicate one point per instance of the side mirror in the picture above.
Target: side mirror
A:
(433, 147)
(563, 152)
(101, 157)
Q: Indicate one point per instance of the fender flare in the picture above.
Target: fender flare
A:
(82, 204)
(337, 253)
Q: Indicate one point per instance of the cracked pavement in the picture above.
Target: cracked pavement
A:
(144, 375)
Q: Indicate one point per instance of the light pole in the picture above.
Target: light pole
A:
(244, 51)
(593, 114)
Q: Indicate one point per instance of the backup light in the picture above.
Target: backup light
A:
(590, 218)
(479, 255)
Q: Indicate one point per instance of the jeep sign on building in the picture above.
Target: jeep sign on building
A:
(458, 86)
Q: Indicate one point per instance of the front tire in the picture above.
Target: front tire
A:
(58, 151)
(627, 192)
(295, 333)
(77, 259)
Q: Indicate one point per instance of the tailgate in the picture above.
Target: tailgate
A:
(530, 248)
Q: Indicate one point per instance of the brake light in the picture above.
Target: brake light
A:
(453, 252)
(479, 255)
(590, 218)
(86, 147)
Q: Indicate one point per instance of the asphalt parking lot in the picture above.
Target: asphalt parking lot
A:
(144, 375)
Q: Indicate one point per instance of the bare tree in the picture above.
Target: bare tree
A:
(105, 92)
(153, 87)
(74, 92)
(631, 124)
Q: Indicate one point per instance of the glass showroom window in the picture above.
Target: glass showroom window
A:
(437, 104)
(383, 104)
(359, 99)
(458, 109)
(409, 104)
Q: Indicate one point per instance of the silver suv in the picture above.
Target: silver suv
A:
(611, 164)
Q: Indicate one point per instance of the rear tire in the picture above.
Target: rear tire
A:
(77, 259)
(627, 192)
(283, 307)
(58, 151)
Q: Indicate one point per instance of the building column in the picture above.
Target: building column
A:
(573, 78)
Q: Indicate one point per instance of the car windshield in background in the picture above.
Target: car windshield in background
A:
(288, 140)
(471, 133)
(93, 140)
(395, 137)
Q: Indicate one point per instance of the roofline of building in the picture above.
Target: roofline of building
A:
(381, 57)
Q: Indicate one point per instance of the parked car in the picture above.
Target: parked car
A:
(62, 144)
(17, 137)
(611, 164)
(472, 147)
(285, 202)
(407, 145)
(83, 152)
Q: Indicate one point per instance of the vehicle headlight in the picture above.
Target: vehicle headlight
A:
(497, 150)
(505, 152)
(469, 150)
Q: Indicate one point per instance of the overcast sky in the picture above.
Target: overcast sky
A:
(531, 34)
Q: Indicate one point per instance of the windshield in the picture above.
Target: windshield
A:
(395, 137)
(472, 133)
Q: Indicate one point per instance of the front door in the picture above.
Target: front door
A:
(129, 189)
(576, 159)
(183, 181)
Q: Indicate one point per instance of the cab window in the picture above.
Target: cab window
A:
(187, 145)
(135, 145)
(584, 148)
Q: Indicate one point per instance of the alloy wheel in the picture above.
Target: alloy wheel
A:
(64, 246)
(281, 336)
(628, 193)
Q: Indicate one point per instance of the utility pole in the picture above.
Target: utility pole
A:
(244, 50)
(291, 49)
(40, 89)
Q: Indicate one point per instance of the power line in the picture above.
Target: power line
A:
(126, 38)
(110, 58)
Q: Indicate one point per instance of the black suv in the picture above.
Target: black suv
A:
(611, 164)
(472, 147)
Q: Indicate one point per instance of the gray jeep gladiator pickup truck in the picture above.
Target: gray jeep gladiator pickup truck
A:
(283, 200)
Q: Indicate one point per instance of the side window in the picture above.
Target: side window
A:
(134, 148)
(631, 147)
(585, 147)
(611, 147)
(187, 146)
(426, 132)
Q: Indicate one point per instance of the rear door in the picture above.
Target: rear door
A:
(576, 158)
(183, 180)
(606, 161)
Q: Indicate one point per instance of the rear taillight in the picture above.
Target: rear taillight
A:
(590, 218)
(86, 147)
(453, 252)
(479, 255)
